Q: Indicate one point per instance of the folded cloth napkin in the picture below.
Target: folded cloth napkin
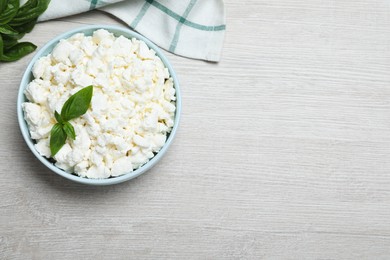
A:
(191, 28)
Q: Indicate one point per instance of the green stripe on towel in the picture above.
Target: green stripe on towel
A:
(175, 39)
(184, 20)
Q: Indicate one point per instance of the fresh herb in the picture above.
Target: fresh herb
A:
(15, 22)
(57, 138)
(74, 107)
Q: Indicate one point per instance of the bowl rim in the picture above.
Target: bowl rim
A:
(117, 30)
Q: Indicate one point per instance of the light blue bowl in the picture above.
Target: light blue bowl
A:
(28, 77)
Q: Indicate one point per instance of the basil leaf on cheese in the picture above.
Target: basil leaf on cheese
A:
(57, 138)
(77, 104)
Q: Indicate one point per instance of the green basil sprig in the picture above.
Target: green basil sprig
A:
(74, 107)
(15, 22)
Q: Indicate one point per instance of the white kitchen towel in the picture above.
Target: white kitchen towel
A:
(190, 28)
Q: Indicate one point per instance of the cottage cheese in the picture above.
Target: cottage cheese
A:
(132, 108)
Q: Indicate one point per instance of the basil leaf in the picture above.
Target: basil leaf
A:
(26, 27)
(32, 11)
(13, 36)
(18, 51)
(77, 104)
(28, 5)
(34, 6)
(69, 130)
(3, 4)
(57, 138)
(74, 107)
(8, 42)
(15, 21)
(9, 12)
(58, 118)
(6, 29)
(1, 46)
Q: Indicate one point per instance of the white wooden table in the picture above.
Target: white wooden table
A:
(283, 151)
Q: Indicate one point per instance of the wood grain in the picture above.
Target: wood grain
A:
(283, 150)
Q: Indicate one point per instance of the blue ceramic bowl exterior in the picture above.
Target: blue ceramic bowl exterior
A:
(28, 77)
